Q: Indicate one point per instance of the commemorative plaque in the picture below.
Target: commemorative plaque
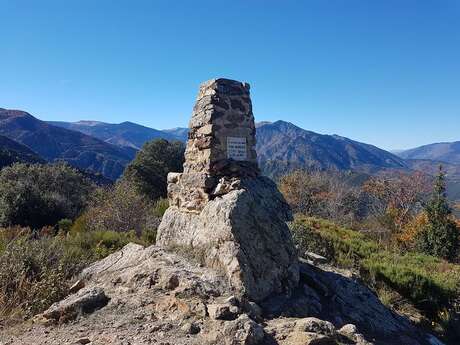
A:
(236, 148)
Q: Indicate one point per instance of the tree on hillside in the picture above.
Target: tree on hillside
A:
(323, 194)
(441, 235)
(395, 199)
(149, 170)
(305, 192)
(37, 195)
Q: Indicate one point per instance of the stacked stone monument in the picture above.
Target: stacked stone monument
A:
(221, 207)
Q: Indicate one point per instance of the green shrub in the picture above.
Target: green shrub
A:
(64, 225)
(36, 270)
(79, 225)
(441, 235)
(99, 244)
(415, 277)
(148, 237)
(160, 207)
(342, 247)
(428, 282)
(118, 208)
(38, 195)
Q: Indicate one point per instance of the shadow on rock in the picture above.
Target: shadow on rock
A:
(346, 303)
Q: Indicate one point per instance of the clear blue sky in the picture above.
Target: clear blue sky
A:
(384, 72)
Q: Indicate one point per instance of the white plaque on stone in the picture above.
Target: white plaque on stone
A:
(236, 148)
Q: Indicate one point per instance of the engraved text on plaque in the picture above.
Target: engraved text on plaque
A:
(236, 148)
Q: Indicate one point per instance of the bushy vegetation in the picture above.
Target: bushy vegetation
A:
(388, 229)
(393, 209)
(149, 170)
(431, 284)
(329, 195)
(9, 157)
(394, 200)
(37, 267)
(37, 195)
(55, 222)
(119, 208)
(440, 235)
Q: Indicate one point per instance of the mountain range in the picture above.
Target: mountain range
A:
(55, 143)
(107, 148)
(125, 134)
(282, 146)
(180, 133)
(443, 152)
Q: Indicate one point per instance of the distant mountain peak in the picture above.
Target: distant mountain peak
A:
(443, 151)
(283, 123)
(180, 133)
(262, 123)
(283, 146)
(13, 113)
(339, 137)
(89, 123)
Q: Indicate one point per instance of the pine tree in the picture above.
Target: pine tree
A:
(441, 236)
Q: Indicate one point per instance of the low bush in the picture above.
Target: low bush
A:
(430, 283)
(160, 207)
(34, 274)
(99, 244)
(37, 268)
(330, 195)
(121, 208)
(343, 247)
(417, 277)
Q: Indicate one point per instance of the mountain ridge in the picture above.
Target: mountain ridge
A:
(56, 143)
(294, 148)
(448, 152)
(125, 134)
(14, 152)
(281, 146)
(285, 144)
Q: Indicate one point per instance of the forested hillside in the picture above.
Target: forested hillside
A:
(13, 152)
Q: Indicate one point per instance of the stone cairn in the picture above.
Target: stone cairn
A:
(221, 207)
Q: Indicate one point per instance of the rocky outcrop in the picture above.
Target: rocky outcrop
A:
(155, 297)
(83, 302)
(221, 207)
(243, 233)
(339, 297)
